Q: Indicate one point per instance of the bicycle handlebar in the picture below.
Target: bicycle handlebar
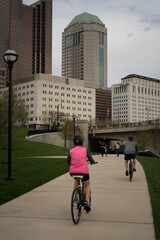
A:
(94, 163)
(88, 162)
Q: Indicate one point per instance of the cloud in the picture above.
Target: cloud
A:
(130, 35)
(152, 20)
(146, 29)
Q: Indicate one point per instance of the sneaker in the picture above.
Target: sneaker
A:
(126, 172)
(86, 206)
(134, 169)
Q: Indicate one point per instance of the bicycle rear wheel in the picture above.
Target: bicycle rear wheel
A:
(76, 206)
(130, 171)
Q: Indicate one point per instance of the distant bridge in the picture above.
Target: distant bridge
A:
(119, 132)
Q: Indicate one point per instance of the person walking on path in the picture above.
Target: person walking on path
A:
(106, 150)
(130, 152)
(102, 148)
(117, 149)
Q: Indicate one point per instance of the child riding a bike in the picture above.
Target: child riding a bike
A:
(77, 159)
(130, 152)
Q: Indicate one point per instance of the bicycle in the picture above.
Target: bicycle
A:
(77, 200)
(130, 169)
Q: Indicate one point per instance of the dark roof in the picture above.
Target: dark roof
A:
(141, 77)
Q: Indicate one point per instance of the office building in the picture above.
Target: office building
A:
(103, 104)
(136, 99)
(84, 50)
(44, 95)
(103, 100)
(2, 77)
(28, 31)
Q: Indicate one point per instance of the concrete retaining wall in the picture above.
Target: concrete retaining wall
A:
(56, 139)
(51, 138)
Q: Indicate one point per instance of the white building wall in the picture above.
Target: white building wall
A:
(45, 92)
(143, 99)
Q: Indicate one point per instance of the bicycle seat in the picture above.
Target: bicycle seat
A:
(77, 176)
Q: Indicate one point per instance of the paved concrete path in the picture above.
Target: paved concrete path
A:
(121, 210)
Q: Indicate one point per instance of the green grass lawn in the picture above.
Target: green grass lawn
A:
(29, 172)
(151, 167)
(25, 148)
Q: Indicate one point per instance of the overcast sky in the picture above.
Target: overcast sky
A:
(133, 34)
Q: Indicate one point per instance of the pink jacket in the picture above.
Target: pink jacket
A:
(78, 156)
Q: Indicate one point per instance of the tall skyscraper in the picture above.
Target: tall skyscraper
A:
(28, 31)
(84, 50)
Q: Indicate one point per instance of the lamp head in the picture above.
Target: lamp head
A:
(10, 56)
(74, 116)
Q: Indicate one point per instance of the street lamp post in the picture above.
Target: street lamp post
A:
(91, 129)
(58, 113)
(148, 109)
(10, 57)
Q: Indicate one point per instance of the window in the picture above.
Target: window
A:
(142, 90)
(101, 37)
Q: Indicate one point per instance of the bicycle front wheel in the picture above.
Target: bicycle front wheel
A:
(76, 206)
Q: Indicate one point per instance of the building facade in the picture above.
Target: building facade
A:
(136, 99)
(3, 77)
(103, 104)
(84, 50)
(45, 96)
(28, 31)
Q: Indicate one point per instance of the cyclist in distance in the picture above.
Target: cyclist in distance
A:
(130, 152)
(77, 159)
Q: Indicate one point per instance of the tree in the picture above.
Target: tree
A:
(100, 123)
(3, 113)
(155, 138)
(67, 130)
(143, 140)
(19, 112)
